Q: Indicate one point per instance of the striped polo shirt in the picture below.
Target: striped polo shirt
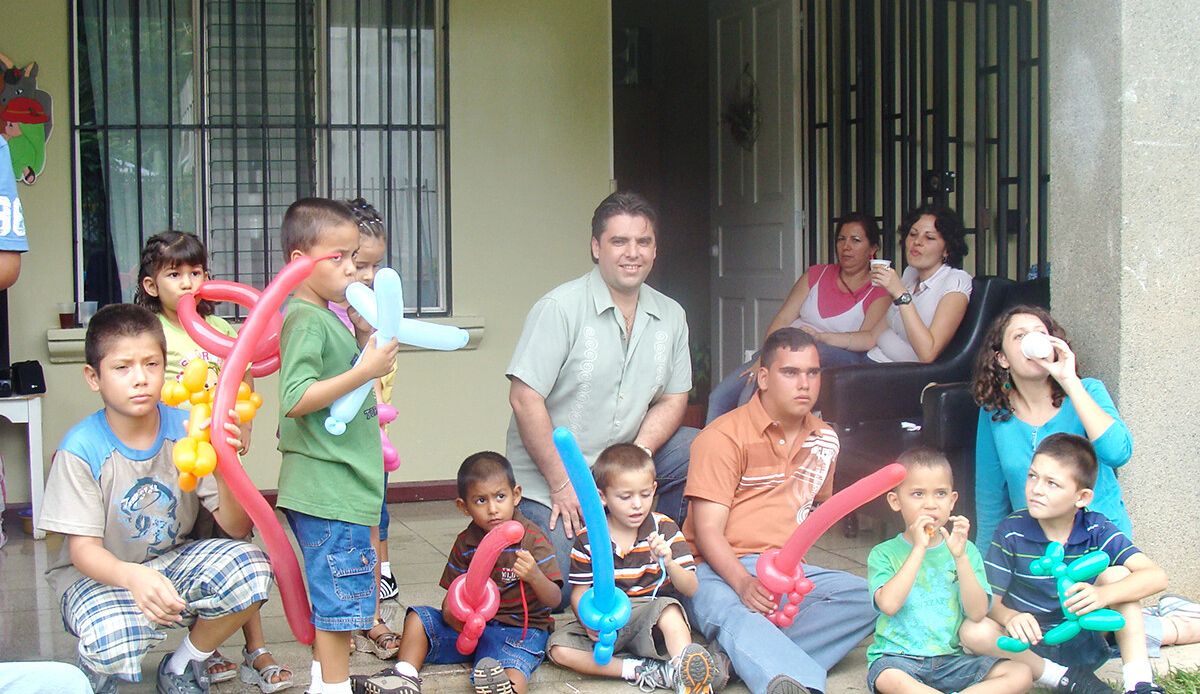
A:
(635, 572)
(1019, 540)
(516, 601)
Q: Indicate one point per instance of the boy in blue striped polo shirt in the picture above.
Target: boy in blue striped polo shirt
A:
(1058, 489)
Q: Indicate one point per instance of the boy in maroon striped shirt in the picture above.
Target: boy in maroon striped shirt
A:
(530, 583)
(653, 564)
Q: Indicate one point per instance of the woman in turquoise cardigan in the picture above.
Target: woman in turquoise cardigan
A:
(1021, 402)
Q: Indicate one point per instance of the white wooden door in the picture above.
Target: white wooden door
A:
(756, 219)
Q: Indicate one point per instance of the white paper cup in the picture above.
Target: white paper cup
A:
(1036, 346)
(879, 262)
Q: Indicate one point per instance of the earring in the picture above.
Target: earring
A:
(1007, 385)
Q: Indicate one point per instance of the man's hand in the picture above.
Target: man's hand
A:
(755, 596)
(564, 505)
(956, 541)
(1085, 597)
(155, 595)
(659, 547)
(526, 567)
(1025, 627)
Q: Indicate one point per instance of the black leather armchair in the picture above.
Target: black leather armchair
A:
(866, 404)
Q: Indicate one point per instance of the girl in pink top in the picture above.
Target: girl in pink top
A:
(827, 299)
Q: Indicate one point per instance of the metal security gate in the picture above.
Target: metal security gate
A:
(907, 101)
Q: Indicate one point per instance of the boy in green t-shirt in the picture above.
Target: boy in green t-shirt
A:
(330, 487)
(923, 582)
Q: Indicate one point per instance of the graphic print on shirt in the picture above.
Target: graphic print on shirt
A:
(817, 454)
(583, 392)
(148, 510)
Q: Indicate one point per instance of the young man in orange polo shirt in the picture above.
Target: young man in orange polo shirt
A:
(755, 473)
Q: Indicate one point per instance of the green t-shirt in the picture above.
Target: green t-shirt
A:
(181, 348)
(322, 475)
(928, 622)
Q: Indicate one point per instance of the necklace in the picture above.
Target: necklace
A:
(851, 292)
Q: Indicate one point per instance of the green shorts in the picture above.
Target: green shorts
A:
(638, 639)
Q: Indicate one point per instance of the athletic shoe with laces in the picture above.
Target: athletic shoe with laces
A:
(488, 677)
(193, 679)
(1080, 680)
(101, 684)
(654, 674)
(694, 670)
(1147, 688)
(1177, 606)
(387, 587)
(782, 684)
(386, 681)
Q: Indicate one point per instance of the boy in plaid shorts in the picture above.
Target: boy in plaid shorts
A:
(125, 571)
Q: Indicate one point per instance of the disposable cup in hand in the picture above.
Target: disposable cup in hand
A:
(877, 264)
(1036, 346)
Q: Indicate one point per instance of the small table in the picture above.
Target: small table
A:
(27, 409)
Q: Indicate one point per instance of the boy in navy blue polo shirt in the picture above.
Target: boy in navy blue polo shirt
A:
(1058, 489)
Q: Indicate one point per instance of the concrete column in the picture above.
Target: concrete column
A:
(1124, 244)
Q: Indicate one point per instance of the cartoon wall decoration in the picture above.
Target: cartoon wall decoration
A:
(25, 119)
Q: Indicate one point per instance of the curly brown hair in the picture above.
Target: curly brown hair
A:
(988, 383)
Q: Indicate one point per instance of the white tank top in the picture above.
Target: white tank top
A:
(810, 315)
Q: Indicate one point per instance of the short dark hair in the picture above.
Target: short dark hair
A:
(867, 222)
(624, 202)
(307, 218)
(793, 339)
(165, 250)
(925, 457)
(619, 458)
(1076, 453)
(946, 221)
(481, 467)
(116, 321)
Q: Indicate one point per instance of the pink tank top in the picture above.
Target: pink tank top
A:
(830, 309)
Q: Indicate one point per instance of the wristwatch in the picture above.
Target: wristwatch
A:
(905, 298)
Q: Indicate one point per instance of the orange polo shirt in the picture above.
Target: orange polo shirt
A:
(740, 461)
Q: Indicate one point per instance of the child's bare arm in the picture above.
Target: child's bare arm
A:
(153, 593)
(890, 596)
(376, 361)
(1019, 625)
(974, 597)
(448, 616)
(1145, 579)
(684, 580)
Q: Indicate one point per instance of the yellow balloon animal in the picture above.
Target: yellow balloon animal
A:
(194, 455)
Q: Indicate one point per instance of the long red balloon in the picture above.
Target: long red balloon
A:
(780, 570)
(283, 559)
(474, 597)
(266, 353)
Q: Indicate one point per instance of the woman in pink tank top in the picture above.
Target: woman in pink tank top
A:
(833, 298)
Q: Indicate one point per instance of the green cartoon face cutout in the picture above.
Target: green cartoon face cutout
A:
(25, 119)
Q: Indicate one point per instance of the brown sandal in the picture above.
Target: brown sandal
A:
(384, 645)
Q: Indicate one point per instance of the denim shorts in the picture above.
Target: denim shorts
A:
(339, 566)
(499, 641)
(1087, 650)
(945, 673)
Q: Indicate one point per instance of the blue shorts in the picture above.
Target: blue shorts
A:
(499, 641)
(945, 673)
(1087, 650)
(339, 569)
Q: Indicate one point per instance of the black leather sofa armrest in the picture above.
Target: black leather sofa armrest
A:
(950, 416)
(851, 395)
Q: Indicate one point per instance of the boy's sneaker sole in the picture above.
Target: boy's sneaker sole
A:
(782, 684)
(386, 681)
(696, 670)
(488, 678)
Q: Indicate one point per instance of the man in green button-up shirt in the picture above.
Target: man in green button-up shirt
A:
(606, 356)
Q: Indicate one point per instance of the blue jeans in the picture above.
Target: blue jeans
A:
(339, 570)
(735, 390)
(1088, 650)
(385, 521)
(500, 641)
(670, 471)
(834, 618)
(43, 677)
(945, 673)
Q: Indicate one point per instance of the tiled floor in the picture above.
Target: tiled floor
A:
(421, 534)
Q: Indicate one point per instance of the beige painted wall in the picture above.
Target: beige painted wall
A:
(530, 156)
